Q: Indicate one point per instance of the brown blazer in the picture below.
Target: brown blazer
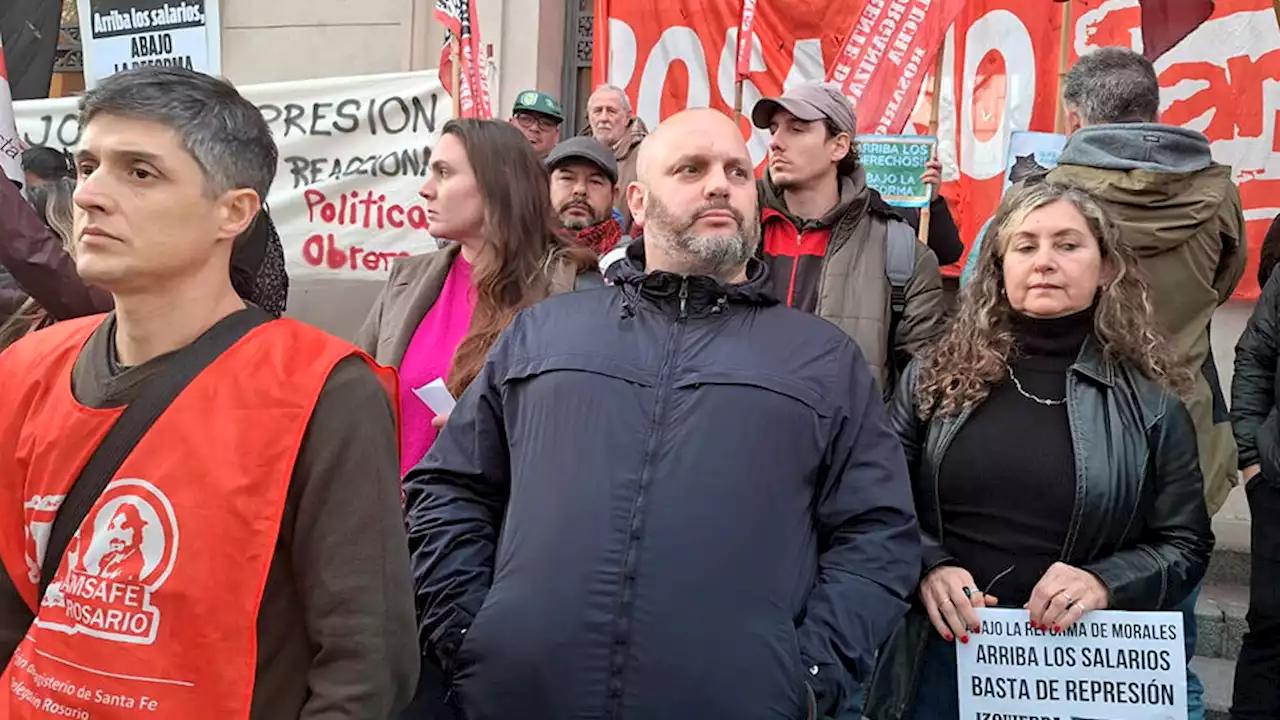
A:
(412, 289)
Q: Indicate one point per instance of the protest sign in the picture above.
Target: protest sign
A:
(1031, 154)
(353, 155)
(123, 34)
(1129, 665)
(894, 165)
(10, 148)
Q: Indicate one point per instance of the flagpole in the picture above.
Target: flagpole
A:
(600, 43)
(1276, 5)
(457, 76)
(1064, 57)
(935, 107)
(743, 39)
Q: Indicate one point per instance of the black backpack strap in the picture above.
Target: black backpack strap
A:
(899, 268)
(129, 429)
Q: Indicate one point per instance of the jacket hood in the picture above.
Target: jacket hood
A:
(1138, 146)
(1159, 181)
(705, 294)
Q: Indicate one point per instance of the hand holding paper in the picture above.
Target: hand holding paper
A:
(436, 396)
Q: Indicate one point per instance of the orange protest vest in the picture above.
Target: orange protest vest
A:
(153, 610)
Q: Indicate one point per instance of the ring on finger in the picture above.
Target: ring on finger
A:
(969, 592)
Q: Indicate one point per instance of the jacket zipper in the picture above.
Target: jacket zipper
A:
(655, 435)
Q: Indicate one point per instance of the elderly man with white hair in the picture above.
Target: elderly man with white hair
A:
(613, 123)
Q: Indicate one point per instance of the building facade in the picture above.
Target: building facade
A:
(299, 39)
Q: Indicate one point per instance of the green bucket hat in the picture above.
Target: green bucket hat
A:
(536, 102)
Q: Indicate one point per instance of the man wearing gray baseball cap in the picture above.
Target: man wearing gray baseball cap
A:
(584, 189)
(833, 246)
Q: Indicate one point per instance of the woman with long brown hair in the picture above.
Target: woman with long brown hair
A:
(1053, 463)
(52, 203)
(488, 194)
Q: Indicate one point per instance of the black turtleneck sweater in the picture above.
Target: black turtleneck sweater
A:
(1007, 482)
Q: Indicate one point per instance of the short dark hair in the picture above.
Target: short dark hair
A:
(47, 163)
(1113, 85)
(849, 163)
(224, 132)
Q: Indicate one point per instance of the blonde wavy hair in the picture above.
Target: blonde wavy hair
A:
(52, 201)
(971, 358)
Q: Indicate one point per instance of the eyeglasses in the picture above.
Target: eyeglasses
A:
(542, 122)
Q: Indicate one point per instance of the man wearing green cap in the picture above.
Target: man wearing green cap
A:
(538, 115)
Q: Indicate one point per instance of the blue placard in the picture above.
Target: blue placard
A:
(894, 165)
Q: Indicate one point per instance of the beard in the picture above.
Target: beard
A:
(606, 133)
(717, 256)
(577, 222)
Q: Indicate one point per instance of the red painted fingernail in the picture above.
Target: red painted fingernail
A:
(977, 631)
(948, 637)
(964, 639)
(1057, 629)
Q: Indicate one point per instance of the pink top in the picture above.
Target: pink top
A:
(429, 355)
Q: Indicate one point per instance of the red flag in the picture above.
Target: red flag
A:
(886, 55)
(747, 18)
(460, 20)
(600, 44)
(1166, 22)
(446, 63)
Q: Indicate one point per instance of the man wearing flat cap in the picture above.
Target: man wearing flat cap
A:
(825, 228)
(584, 189)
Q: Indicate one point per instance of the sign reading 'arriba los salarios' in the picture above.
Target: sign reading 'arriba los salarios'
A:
(1128, 665)
(125, 34)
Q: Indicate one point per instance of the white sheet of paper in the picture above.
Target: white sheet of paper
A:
(436, 396)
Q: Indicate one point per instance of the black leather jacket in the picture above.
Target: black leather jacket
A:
(1254, 404)
(1139, 524)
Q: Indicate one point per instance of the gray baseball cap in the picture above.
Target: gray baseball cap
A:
(584, 148)
(809, 101)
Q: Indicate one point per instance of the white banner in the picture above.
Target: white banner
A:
(353, 153)
(1129, 665)
(124, 34)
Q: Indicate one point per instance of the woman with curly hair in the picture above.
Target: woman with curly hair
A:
(1053, 464)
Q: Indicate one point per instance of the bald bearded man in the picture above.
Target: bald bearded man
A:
(668, 498)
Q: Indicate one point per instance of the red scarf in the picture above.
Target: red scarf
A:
(601, 237)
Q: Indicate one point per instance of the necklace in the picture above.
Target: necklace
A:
(1029, 396)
